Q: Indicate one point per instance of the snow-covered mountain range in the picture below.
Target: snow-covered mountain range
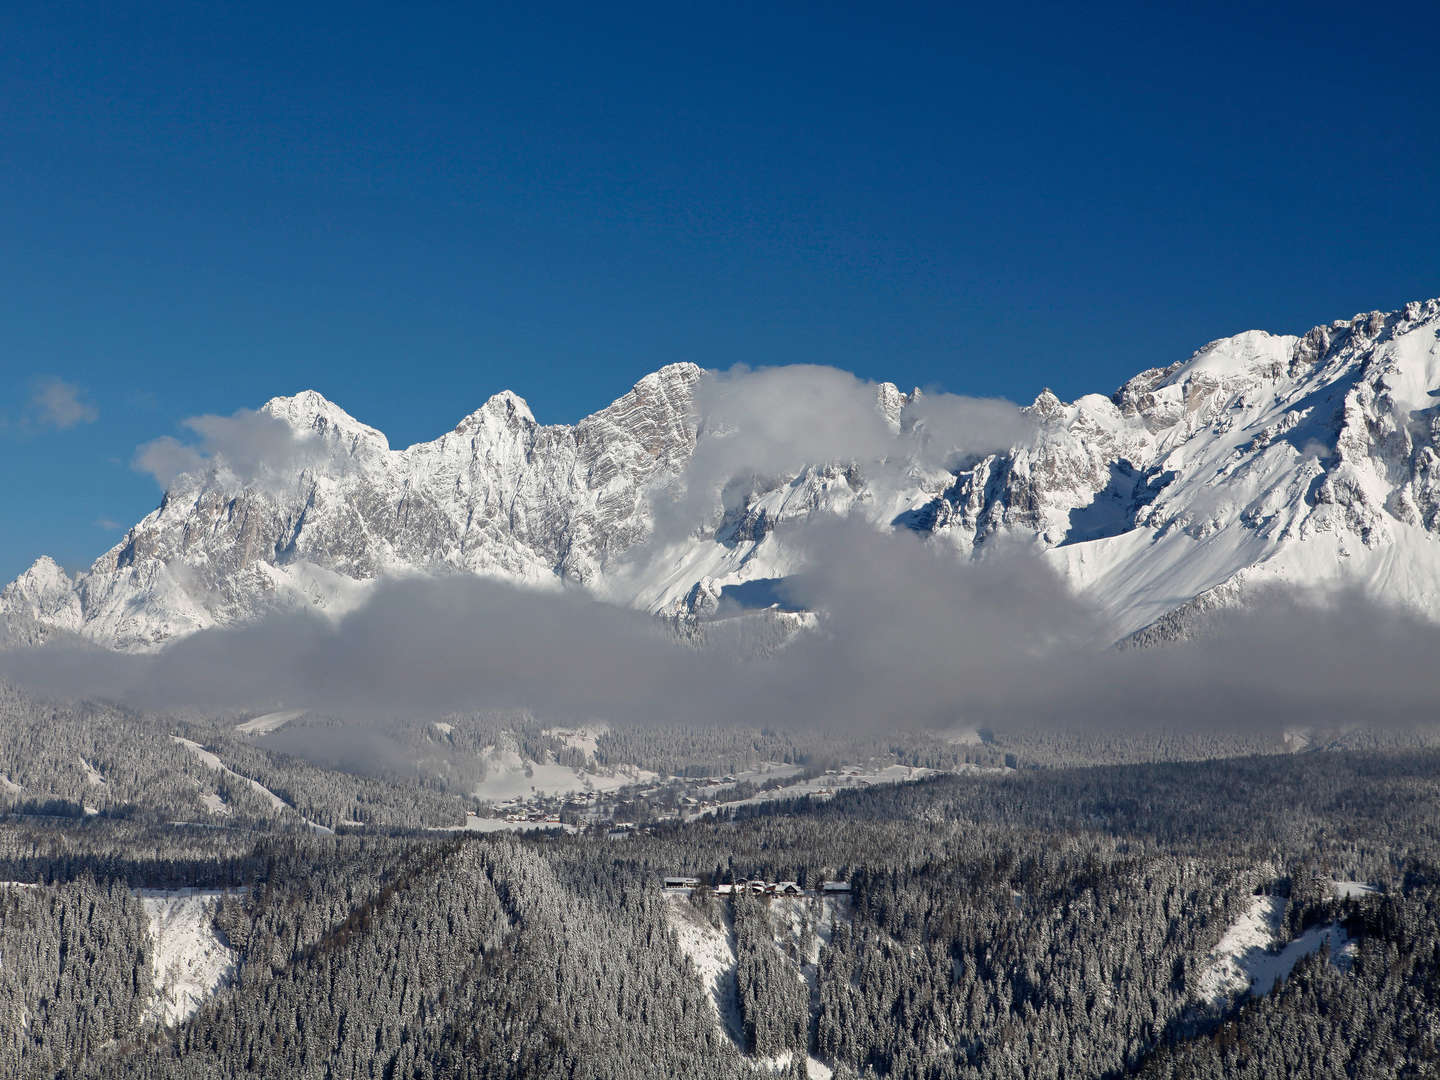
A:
(1308, 460)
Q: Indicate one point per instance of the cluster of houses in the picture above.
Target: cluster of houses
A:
(535, 816)
(758, 886)
(547, 808)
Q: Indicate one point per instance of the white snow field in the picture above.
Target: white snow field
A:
(585, 739)
(190, 960)
(92, 774)
(1352, 890)
(844, 778)
(1245, 960)
(712, 951)
(804, 921)
(1267, 970)
(213, 803)
(262, 725)
(1247, 938)
(510, 776)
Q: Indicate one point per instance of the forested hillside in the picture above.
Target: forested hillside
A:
(1049, 923)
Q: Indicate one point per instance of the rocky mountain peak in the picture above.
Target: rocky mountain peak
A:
(311, 413)
(1047, 406)
(891, 401)
(506, 409)
(42, 598)
(1311, 459)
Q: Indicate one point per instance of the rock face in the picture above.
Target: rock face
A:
(499, 495)
(1301, 459)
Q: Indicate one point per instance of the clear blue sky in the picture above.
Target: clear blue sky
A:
(409, 207)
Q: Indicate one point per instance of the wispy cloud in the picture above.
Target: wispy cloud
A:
(248, 447)
(55, 403)
(774, 422)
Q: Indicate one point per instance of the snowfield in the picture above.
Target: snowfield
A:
(847, 777)
(92, 774)
(1352, 890)
(803, 921)
(1246, 940)
(274, 721)
(190, 960)
(712, 951)
(213, 803)
(1267, 970)
(510, 776)
(584, 739)
(1245, 960)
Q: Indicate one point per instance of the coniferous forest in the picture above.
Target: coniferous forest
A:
(1035, 922)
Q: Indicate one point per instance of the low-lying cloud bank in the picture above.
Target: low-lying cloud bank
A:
(906, 638)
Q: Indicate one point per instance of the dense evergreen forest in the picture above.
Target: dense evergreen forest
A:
(1046, 922)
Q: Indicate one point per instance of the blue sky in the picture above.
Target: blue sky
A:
(409, 208)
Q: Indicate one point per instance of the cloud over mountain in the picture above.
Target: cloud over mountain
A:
(1262, 459)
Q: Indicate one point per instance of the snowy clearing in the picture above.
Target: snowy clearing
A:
(269, 722)
(92, 774)
(211, 761)
(510, 776)
(712, 951)
(1352, 890)
(584, 739)
(847, 777)
(964, 736)
(6, 784)
(806, 922)
(1227, 973)
(213, 803)
(1244, 960)
(1270, 968)
(190, 960)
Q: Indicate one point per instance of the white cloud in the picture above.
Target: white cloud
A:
(58, 404)
(245, 448)
(773, 422)
(918, 641)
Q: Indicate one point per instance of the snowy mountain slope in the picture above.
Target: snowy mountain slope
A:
(1308, 460)
(500, 494)
(190, 961)
(1263, 457)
